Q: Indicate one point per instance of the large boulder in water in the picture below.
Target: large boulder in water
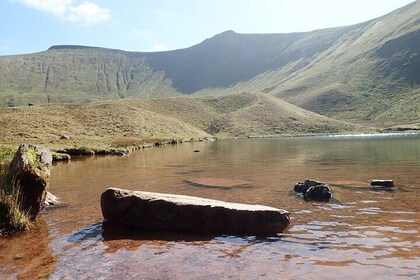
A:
(157, 211)
(30, 172)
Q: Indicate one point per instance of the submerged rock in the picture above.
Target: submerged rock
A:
(314, 190)
(60, 156)
(30, 172)
(157, 211)
(218, 183)
(382, 183)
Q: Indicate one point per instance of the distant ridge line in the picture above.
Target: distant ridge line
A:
(61, 47)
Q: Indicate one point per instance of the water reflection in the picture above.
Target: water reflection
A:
(27, 255)
(118, 232)
(92, 232)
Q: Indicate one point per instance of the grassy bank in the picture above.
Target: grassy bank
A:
(12, 218)
(111, 126)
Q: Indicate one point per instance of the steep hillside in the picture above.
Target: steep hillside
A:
(365, 72)
(109, 122)
(229, 58)
(370, 73)
(78, 74)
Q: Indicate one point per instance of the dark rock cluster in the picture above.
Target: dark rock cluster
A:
(314, 190)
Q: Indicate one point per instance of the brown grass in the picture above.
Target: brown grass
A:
(11, 213)
(139, 122)
(12, 216)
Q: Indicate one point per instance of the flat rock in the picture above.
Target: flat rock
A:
(156, 211)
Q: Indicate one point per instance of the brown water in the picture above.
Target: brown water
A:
(361, 234)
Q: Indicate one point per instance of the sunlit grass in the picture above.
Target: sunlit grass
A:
(12, 217)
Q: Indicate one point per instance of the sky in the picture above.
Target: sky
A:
(28, 26)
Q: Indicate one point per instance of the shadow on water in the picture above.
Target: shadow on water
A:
(115, 232)
(109, 232)
(92, 232)
(332, 200)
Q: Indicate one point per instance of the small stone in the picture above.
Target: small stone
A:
(381, 183)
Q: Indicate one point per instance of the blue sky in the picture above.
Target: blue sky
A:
(28, 26)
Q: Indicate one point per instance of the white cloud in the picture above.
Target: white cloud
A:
(159, 48)
(88, 13)
(85, 13)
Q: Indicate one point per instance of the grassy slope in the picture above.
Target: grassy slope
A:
(366, 72)
(104, 123)
(356, 81)
(370, 73)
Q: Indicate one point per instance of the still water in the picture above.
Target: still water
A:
(362, 233)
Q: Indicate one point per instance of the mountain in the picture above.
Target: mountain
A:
(122, 121)
(368, 72)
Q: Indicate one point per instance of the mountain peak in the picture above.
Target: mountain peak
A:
(224, 35)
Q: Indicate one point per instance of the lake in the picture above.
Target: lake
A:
(362, 233)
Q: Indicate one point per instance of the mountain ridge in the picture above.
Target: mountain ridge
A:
(346, 72)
